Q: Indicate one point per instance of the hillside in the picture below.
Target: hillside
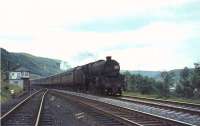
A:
(38, 66)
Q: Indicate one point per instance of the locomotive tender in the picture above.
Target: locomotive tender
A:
(100, 77)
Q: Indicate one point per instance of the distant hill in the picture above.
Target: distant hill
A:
(155, 74)
(41, 67)
(38, 66)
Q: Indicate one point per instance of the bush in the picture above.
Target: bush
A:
(5, 91)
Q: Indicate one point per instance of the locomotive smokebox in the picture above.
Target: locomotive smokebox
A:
(108, 58)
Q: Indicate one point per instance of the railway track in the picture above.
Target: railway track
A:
(193, 109)
(85, 115)
(124, 115)
(27, 112)
(5, 107)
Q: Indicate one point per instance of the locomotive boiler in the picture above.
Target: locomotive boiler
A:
(100, 77)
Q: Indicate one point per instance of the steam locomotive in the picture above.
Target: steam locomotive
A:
(100, 77)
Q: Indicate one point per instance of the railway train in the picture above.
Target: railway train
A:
(99, 77)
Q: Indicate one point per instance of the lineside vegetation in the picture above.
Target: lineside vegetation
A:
(186, 87)
(6, 88)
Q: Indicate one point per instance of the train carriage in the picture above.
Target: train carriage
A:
(102, 76)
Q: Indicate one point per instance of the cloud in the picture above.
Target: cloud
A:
(41, 15)
(118, 24)
(154, 46)
(83, 58)
(178, 13)
(142, 34)
(19, 38)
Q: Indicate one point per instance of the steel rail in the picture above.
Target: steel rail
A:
(122, 119)
(161, 105)
(19, 104)
(130, 110)
(40, 108)
(102, 111)
(154, 116)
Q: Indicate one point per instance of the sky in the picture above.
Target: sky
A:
(139, 34)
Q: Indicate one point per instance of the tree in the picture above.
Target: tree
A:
(185, 88)
(128, 75)
(179, 90)
(139, 83)
(196, 79)
(167, 82)
(159, 88)
(145, 84)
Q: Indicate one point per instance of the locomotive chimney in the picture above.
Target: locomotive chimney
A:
(108, 58)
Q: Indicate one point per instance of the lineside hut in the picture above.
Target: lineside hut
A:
(20, 77)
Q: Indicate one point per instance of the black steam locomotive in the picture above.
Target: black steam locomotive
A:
(100, 77)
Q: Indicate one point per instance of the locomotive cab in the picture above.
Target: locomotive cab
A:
(111, 67)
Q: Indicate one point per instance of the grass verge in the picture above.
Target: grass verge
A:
(5, 93)
(171, 98)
